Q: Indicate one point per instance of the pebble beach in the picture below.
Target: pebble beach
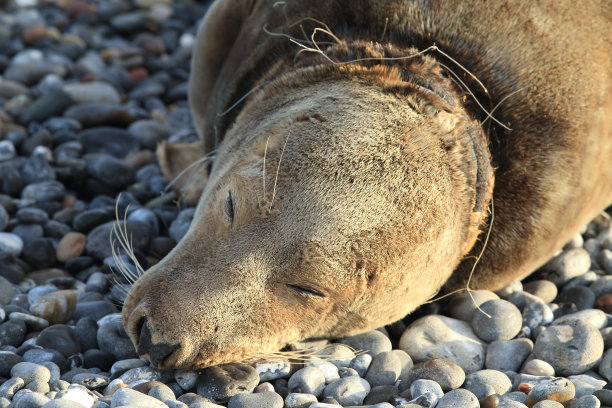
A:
(88, 88)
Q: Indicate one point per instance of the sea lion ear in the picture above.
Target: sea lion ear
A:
(447, 121)
(215, 39)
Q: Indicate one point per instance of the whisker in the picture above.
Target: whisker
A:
(278, 169)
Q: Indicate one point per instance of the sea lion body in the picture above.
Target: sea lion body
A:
(345, 194)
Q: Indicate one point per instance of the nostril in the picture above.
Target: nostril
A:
(157, 351)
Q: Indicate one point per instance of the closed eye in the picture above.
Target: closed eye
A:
(229, 207)
(305, 291)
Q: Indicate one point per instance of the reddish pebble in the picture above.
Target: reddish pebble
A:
(33, 34)
(71, 246)
(604, 302)
(524, 387)
(138, 74)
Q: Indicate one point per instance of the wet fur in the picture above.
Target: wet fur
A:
(378, 174)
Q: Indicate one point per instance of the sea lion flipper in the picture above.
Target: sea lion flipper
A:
(185, 166)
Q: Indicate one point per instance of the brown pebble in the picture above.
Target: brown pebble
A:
(138, 159)
(145, 387)
(138, 74)
(41, 276)
(604, 302)
(33, 34)
(490, 401)
(524, 387)
(55, 307)
(71, 246)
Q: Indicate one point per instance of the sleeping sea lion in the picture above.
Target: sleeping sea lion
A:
(361, 149)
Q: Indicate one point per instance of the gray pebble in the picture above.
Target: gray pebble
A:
(362, 362)
(31, 372)
(538, 367)
(7, 361)
(272, 370)
(29, 400)
(571, 348)
(308, 380)
(437, 336)
(385, 369)
(487, 382)
(548, 404)
(420, 387)
(463, 305)
(605, 367)
(567, 265)
(458, 398)
(593, 316)
(348, 390)
(11, 386)
(131, 398)
(507, 355)
(329, 370)
(221, 382)
(544, 289)
(299, 400)
(90, 380)
(446, 373)
(11, 245)
(140, 373)
(503, 322)
(162, 392)
(587, 401)
(263, 400)
(372, 342)
(44, 191)
(380, 394)
(186, 379)
(347, 372)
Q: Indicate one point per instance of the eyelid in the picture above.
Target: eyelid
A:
(306, 291)
(230, 207)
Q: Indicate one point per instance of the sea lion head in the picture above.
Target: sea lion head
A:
(340, 200)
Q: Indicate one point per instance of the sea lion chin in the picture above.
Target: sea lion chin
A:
(344, 195)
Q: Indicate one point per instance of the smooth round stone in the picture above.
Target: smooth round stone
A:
(29, 400)
(508, 355)
(95, 91)
(299, 400)
(548, 404)
(536, 314)
(149, 132)
(39, 252)
(98, 244)
(581, 296)
(59, 337)
(89, 219)
(128, 397)
(11, 386)
(42, 356)
(338, 354)
(12, 332)
(186, 379)
(544, 289)
(586, 401)
(329, 370)
(71, 246)
(44, 191)
(221, 382)
(385, 369)
(108, 140)
(92, 114)
(571, 348)
(567, 265)
(586, 384)
(86, 330)
(122, 366)
(55, 307)
(595, 317)
(463, 305)
(32, 215)
(90, 380)
(67, 403)
(7, 361)
(307, 380)
(262, 400)
(38, 386)
(162, 392)
(140, 374)
(11, 245)
(605, 367)
(538, 367)
(437, 336)
(362, 362)
(487, 382)
(113, 339)
(109, 170)
(348, 390)
(503, 322)
(558, 389)
(146, 216)
(4, 218)
(381, 394)
(420, 387)
(31, 372)
(458, 398)
(38, 291)
(272, 370)
(347, 372)
(97, 282)
(446, 373)
(372, 342)
(51, 103)
(605, 396)
(602, 285)
(604, 303)
(7, 150)
(180, 224)
(96, 309)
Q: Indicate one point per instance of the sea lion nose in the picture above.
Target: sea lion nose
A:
(157, 352)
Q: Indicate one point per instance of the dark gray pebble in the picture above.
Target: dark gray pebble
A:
(95, 309)
(52, 103)
(86, 330)
(581, 296)
(113, 339)
(39, 253)
(12, 332)
(98, 244)
(221, 382)
(7, 361)
(109, 170)
(109, 140)
(44, 191)
(104, 114)
(59, 337)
